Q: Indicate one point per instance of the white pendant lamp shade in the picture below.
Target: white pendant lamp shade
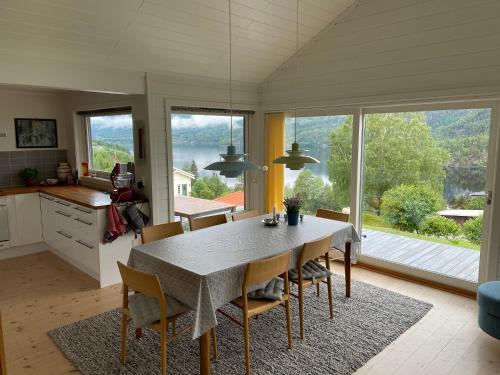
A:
(231, 164)
(296, 157)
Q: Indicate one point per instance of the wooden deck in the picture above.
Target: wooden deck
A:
(453, 261)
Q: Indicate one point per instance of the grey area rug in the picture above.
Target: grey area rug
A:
(363, 325)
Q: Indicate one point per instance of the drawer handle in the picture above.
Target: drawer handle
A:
(83, 221)
(63, 203)
(84, 244)
(64, 234)
(82, 210)
(63, 213)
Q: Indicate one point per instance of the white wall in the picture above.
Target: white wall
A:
(87, 101)
(395, 50)
(20, 70)
(167, 91)
(16, 102)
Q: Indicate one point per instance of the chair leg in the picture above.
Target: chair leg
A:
(163, 349)
(317, 290)
(138, 333)
(301, 310)
(330, 299)
(288, 323)
(347, 269)
(124, 330)
(246, 334)
(214, 344)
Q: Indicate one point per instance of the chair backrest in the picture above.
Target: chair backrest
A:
(332, 215)
(161, 231)
(3, 363)
(245, 214)
(207, 221)
(265, 269)
(142, 282)
(314, 249)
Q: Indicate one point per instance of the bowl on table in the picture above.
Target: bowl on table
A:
(270, 222)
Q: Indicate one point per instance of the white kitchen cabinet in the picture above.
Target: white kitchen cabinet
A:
(75, 233)
(28, 218)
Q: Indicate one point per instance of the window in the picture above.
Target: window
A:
(184, 189)
(110, 139)
(327, 184)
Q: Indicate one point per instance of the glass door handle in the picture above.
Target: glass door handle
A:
(489, 197)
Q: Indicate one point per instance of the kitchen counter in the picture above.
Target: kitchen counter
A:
(76, 194)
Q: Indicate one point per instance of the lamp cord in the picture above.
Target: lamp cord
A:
(230, 74)
(296, 50)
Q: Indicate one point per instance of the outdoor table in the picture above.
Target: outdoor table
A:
(204, 269)
(191, 208)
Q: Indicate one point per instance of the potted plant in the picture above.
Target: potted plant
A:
(30, 176)
(292, 206)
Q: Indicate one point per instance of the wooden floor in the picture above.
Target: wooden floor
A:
(40, 292)
(452, 261)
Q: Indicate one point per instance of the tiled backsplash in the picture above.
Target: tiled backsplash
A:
(11, 163)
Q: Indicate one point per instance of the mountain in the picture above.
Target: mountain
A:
(312, 131)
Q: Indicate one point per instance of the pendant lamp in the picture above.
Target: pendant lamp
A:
(296, 157)
(231, 164)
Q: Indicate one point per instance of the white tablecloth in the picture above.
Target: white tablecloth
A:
(204, 269)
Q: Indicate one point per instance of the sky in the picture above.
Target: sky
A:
(192, 121)
(112, 122)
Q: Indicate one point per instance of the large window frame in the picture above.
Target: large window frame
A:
(489, 257)
(226, 113)
(88, 134)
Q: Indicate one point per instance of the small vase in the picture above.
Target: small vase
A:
(293, 218)
(63, 171)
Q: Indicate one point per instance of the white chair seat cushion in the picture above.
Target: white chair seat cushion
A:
(146, 309)
(310, 271)
(272, 291)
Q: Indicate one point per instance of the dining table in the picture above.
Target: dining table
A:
(204, 269)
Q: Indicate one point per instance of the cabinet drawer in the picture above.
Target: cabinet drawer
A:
(84, 213)
(82, 251)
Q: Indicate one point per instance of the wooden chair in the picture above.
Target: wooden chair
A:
(207, 221)
(245, 215)
(149, 285)
(312, 251)
(258, 272)
(161, 231)
(3, 363)
(340, 216)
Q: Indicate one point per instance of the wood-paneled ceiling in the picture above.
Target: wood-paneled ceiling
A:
(181, 36)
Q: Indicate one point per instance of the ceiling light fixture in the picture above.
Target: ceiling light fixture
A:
(296, 157)
(231, 164)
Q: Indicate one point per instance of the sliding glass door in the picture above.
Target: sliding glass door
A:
(424, 189)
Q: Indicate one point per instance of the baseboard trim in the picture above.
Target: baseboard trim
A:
(19, 251)
(416, 279)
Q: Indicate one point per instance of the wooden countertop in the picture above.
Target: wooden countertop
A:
(77, 194)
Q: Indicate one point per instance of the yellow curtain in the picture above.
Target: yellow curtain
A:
(275, 145)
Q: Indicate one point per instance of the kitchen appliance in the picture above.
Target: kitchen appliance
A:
(4, 223)
(122, 179)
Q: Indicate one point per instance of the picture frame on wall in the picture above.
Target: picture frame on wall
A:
(36, 133)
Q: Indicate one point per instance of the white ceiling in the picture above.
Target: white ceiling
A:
(182, 36)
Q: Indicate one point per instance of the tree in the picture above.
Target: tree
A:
(209, 187)
(313, 192)
(405, 206)
(186, 167)
(194, 170)
(399, 149)
(106, 155)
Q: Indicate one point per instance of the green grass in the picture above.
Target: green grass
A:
(372, 221)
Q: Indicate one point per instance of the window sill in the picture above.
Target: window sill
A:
(98, 183)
